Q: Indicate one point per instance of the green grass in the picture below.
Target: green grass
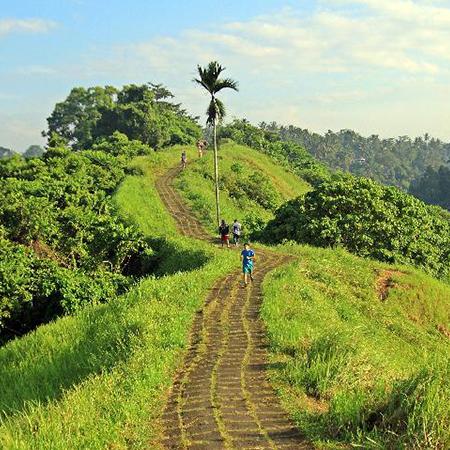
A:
(98, 379)
(351, 368)
(236, 163)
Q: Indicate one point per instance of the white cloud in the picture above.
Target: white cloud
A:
(379, 66)
(398, 35)
(25, 26)
(292, 62)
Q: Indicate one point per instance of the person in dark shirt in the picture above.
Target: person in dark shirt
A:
(183, 160)
(224, 231)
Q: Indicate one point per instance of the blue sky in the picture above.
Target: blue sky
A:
(377, 66)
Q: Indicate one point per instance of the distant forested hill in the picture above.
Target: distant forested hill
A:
(433, 186)
(5, 152)
(394, 161)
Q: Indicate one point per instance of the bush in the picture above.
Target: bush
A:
(62, 242)
(369, 220)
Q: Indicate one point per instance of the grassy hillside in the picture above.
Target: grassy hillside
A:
(253, 186)
(97, 379)
(358, 346)
(360, 350)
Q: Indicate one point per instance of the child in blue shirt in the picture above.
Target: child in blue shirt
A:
(247, 257)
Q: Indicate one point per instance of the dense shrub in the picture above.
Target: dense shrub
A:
(62, 242)
(369, 220)
(251, 184)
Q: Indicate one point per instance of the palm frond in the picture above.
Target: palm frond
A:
(221, 112)
(209, 75)
(224, 84)
(201, 83)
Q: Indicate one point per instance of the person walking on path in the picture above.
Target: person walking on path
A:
(201, 145)
(247, 257)
(183, 159)
(237, 228)
(224, 231)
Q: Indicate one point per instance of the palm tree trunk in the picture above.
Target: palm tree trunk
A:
(216, 171)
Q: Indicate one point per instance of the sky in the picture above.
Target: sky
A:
(376, 66)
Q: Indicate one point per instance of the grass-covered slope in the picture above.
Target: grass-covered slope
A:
(97, 379)
(361, 350)
(252, 184)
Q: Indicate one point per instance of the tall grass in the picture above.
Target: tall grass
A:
(351, 368)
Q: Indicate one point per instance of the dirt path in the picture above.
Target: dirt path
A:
(221, 397)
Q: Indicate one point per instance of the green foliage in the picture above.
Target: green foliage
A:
(433, 187)
(354, 370)
(63, 244)
(369, 220)
(139, 112)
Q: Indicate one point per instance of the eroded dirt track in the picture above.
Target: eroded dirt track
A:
(221, 397)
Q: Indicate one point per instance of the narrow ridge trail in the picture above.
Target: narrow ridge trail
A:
(221, 398)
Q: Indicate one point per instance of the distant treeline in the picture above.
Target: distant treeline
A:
(419, 165)
(32, 151)
(393, 161)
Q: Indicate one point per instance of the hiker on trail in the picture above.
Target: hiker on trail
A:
(237, 228)
(183, 159)
(247, 257)
(201, 145)
(224, 231)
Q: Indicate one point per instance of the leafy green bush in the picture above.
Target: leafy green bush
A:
(62, 242)
(369, 220)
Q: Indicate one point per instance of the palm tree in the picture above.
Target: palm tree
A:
(209, 79)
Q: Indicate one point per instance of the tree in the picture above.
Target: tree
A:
(33, 151)
(141, 112)
(209, 79)
(5, 152)
(433, 186)
(75, 118)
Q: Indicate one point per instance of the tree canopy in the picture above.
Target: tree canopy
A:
(33, 151)
(6, 152)
(142, 112)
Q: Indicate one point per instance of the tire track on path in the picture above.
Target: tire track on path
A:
(221, 398)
